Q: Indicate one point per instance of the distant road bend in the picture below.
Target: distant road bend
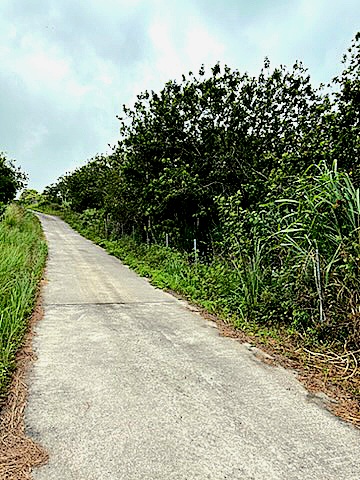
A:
(130, 384)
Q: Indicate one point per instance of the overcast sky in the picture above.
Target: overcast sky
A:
(67, 67)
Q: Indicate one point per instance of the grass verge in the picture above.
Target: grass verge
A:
(22, 258)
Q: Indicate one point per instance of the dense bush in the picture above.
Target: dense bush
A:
(262, 171)
(12, 179)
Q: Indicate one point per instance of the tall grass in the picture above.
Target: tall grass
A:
(22, 258)
(211, 284)
(321, 238)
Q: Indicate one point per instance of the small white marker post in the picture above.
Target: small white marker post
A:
(167, 239)
(195, 250)
(148, 231)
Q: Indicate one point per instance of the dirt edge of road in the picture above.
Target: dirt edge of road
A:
(312, 374)
(19, 453)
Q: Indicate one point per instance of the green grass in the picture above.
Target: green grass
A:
(22, 257)
(214, 285)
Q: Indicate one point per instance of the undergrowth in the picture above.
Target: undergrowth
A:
(22, 257)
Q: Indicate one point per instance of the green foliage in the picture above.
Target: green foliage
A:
(321, 238)
(345, 129)
(22, 258)
(12, 179)
(2, 209)
(30, 197)
(263, 171)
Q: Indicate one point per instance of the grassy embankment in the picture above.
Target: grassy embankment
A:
(22, 258)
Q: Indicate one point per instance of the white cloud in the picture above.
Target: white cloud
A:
(41, 67)
(67, 67)
(168, 58)
(34, 139)
(180, 43)
(201, 46)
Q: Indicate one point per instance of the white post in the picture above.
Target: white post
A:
(148, 231)
(167, 239)
(318, 285)
(195, 249)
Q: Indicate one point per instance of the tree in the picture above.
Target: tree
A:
(30, 197)
(345, 129)
(12, 179)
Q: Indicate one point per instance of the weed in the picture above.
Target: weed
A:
(22, 257)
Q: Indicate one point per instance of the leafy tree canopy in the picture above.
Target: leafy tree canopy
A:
(30, 197)
(12, 179)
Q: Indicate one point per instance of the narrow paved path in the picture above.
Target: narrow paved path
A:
(129, 384)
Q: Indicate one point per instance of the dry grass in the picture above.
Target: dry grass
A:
(338, 375)
(19, 453)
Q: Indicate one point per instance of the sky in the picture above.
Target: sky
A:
(67, 67)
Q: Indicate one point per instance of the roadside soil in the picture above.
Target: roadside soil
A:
(331, 378)
(18, 453)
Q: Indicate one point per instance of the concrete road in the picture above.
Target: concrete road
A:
(130, 384)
